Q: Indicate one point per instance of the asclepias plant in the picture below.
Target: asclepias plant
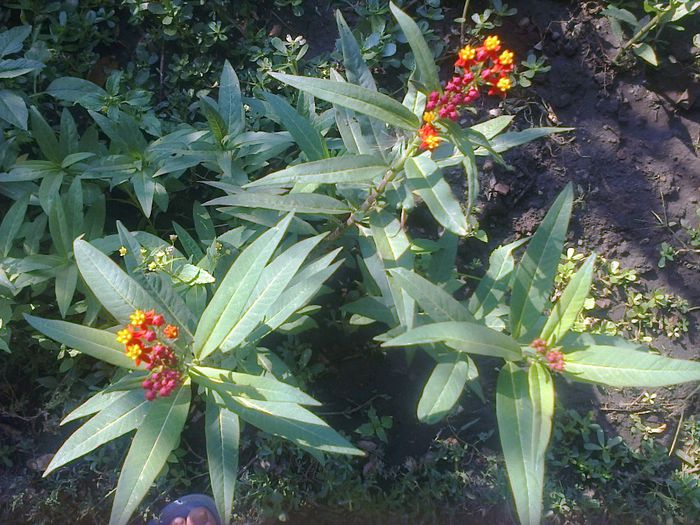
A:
(510, 316)
(169, 357)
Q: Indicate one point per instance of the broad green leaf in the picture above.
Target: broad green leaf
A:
(307, 137)
(461, 336)
(348, 169)
(372, 308)
(11, 40)
(203, 224)
(293, 202)
(66, 280)
(13, 109)
(223, 437)
(534, 275)
(44, 136)
(494, 126)
(216, 123)
(144, 188)
(16, 67)
(494, 284)
(444, 386)
(262, 388)
(155, 439)
(512, 139)
(70, 89)
(99, 344)
(234, 291)
(434, 301)
(123, 415)
(11, 224)
(425, 178)
(623, 367)
(292, 422)
(230, 101)
(272, 283)
(524, 408)
(646, 53)
(356, 98)
(425, 64)
(567, 308)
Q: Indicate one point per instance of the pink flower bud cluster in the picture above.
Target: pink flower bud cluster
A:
(553, 358)
(161, 383)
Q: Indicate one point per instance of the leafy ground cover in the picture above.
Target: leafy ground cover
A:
(633, 162)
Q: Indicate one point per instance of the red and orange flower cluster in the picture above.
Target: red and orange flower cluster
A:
(553, 358)
(477, 67)
(142, 343)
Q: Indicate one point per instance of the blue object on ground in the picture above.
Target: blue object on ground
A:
(181, 507)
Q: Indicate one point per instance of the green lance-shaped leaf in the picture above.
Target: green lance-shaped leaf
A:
(444, 386)
(145, 189)
(11, 224)
(425, 178)
(155, 439)
(272, 283)
(434, 301)
(203, 224)
(44, 136)
(512, 139)
(524, 408)
(94, 405)
(494, 284)
(624, 367)
(461, 336)
(99, 344)
(119, 293)
(567, 308)
(223, 438)
(425, 64)
(350, 169)
(263, 388)
(356, 68)
(13, 109)
(234, 291)
(230, 101)
(534, 275)
(291, 422)
(293, 202)
(11, 40)
(123, 415)
(307, 137)
(362, 100)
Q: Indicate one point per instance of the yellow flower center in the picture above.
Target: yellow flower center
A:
(429, 117)
(431, 142)
(123, 336)
(504, 84)
(506, 58)
(467, 53)
(137, 318)
(492, 43)
(133, 352)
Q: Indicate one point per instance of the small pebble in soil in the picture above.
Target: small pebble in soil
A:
(524, 22)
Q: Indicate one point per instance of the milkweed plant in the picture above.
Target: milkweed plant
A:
(189, 323)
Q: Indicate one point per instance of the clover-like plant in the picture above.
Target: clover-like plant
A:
(510, 316)
(169, 356)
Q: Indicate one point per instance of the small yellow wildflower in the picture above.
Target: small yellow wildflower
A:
(123, 251)
(431, 142)
(429, 117)
(152, 266)
(467, 53)
(137, 318)
(492, 43)
(124, 336)
(506, 58)
(504, 84)
(133, 352)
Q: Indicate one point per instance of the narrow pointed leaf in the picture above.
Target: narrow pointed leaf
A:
(524, 408)
(123, 415)
(307, 137)
(293, 202)
(463, 337)
(444, 387)
(346, 170)
(99, 344)
(569, 305)
(234, 291)
(356, 98)
(425, 178)
(11, 224)
(154, 441)
(534, 275)
(622, 367)
(230, 101)
(223, 438)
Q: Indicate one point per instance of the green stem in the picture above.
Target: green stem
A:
(640, 34)
(464, 21)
